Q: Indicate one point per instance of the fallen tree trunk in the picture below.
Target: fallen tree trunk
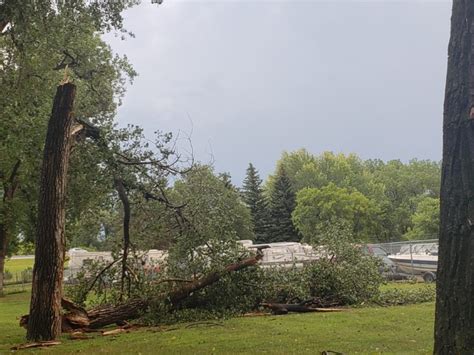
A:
(283, 308)
(99, 317)
(132, 309)
(184, 291)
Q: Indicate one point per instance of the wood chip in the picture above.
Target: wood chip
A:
(39, 344)
(114, 332)
(78, 336)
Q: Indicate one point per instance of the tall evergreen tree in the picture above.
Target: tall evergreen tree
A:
(252, 194)
(282, 204)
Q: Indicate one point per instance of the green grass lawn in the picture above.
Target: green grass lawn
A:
(405, 285)
(402, 329)
(18, 265)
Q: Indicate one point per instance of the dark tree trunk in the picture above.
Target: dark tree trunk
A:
(44, 322)
(454, 326)
(103, 316)
(9, 189)
(126, 230)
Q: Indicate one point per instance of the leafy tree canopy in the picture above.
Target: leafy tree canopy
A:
(318, 208)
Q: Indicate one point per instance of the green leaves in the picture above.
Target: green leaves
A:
(379, 199)
(318, 208)
(43, 37)
(425, 220)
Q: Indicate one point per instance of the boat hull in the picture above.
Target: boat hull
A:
(415, 265)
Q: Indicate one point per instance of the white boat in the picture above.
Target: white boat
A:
(417, 264)
(283, 254)
(418, 259)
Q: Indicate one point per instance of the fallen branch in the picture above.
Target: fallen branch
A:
(132, 309)
(78, 318)
(183, 292)
(206, 324)
(39, 344)
(115, 331)
(100, 274)
(283, 308)
(78, 336)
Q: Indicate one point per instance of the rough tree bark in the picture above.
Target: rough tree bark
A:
(9, 189)
(44, 322)
(454, 325)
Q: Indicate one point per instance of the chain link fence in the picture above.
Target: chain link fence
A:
(414, 257)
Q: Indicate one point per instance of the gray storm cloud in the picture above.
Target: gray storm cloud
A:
(254, 78)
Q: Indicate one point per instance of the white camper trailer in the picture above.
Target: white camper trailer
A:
(283, 254)
(78, 258)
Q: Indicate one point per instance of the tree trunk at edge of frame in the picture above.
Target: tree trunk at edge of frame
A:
(454, 324)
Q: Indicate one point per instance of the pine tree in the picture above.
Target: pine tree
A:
(252, 194)
(227, 180)
(282, 204)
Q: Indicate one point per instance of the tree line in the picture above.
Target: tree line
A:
(379, 201)
(307, 194)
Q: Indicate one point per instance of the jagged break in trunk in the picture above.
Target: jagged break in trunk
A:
(133, 308)
(454, 326)
(44, 322)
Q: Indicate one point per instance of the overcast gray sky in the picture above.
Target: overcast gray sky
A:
(251, 79)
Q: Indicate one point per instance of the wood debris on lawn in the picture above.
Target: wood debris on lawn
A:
(39, 344)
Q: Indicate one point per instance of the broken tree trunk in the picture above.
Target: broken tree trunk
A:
(132, 309)
(105, 315)
(44, 322)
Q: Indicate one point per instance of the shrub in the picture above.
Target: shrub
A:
(399, 296)
(344, 274)
(27, 275)
(7, 275)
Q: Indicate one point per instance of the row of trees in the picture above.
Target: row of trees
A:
(378, 201)
(381, 201)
